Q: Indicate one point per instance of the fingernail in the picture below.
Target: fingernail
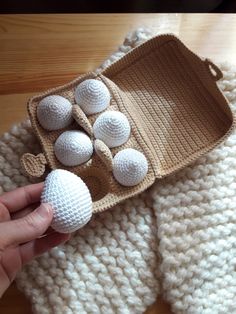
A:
(44, 210)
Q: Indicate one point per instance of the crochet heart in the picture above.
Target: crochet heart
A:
(33, 165)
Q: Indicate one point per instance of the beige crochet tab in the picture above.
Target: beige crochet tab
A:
(174, 107)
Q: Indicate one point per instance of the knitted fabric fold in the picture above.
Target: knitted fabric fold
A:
(196, 226)
(182, 230)
(111, 266)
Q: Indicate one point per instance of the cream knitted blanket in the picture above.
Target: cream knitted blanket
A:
(178, 238)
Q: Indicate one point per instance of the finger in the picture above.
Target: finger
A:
(4, 213)
(22, 197)
(34, 248)
(27, 228)
(11, 262)
(48, 231)
(27, 210)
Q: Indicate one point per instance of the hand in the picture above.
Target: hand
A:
(21, 230)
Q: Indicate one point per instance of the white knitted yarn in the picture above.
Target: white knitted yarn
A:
(111, 265)
(73, 148)
(54, 112)
(112, 127)
(129, 167)
(92, 96)
(70, 199)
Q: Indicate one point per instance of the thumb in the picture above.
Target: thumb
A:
(27, 228)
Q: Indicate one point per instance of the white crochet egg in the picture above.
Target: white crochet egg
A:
(129, 167)
(70, 199)
(92, 96)
(73, 148)
(112, 127)
(54, 112)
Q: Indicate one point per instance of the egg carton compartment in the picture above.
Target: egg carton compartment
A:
(104, 189)
(174, 107)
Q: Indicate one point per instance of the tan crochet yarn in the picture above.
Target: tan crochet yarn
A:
(168, 96)
(111, 265)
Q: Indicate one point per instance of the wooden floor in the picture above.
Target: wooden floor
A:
(41, 51)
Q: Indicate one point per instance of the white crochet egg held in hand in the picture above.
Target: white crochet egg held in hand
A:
(73, 148)
(54, 112)
(70, 199)
(129, 167)
(92, 96)
(112, 127)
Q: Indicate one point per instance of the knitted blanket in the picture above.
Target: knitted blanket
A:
(178, 238)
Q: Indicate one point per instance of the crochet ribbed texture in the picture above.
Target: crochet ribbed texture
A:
(112, 265)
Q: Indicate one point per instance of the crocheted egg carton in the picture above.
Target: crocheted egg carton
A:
(173, 106)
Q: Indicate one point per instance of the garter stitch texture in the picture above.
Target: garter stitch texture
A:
(112, 265)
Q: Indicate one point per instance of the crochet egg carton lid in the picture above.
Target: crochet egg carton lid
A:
(175, 109)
